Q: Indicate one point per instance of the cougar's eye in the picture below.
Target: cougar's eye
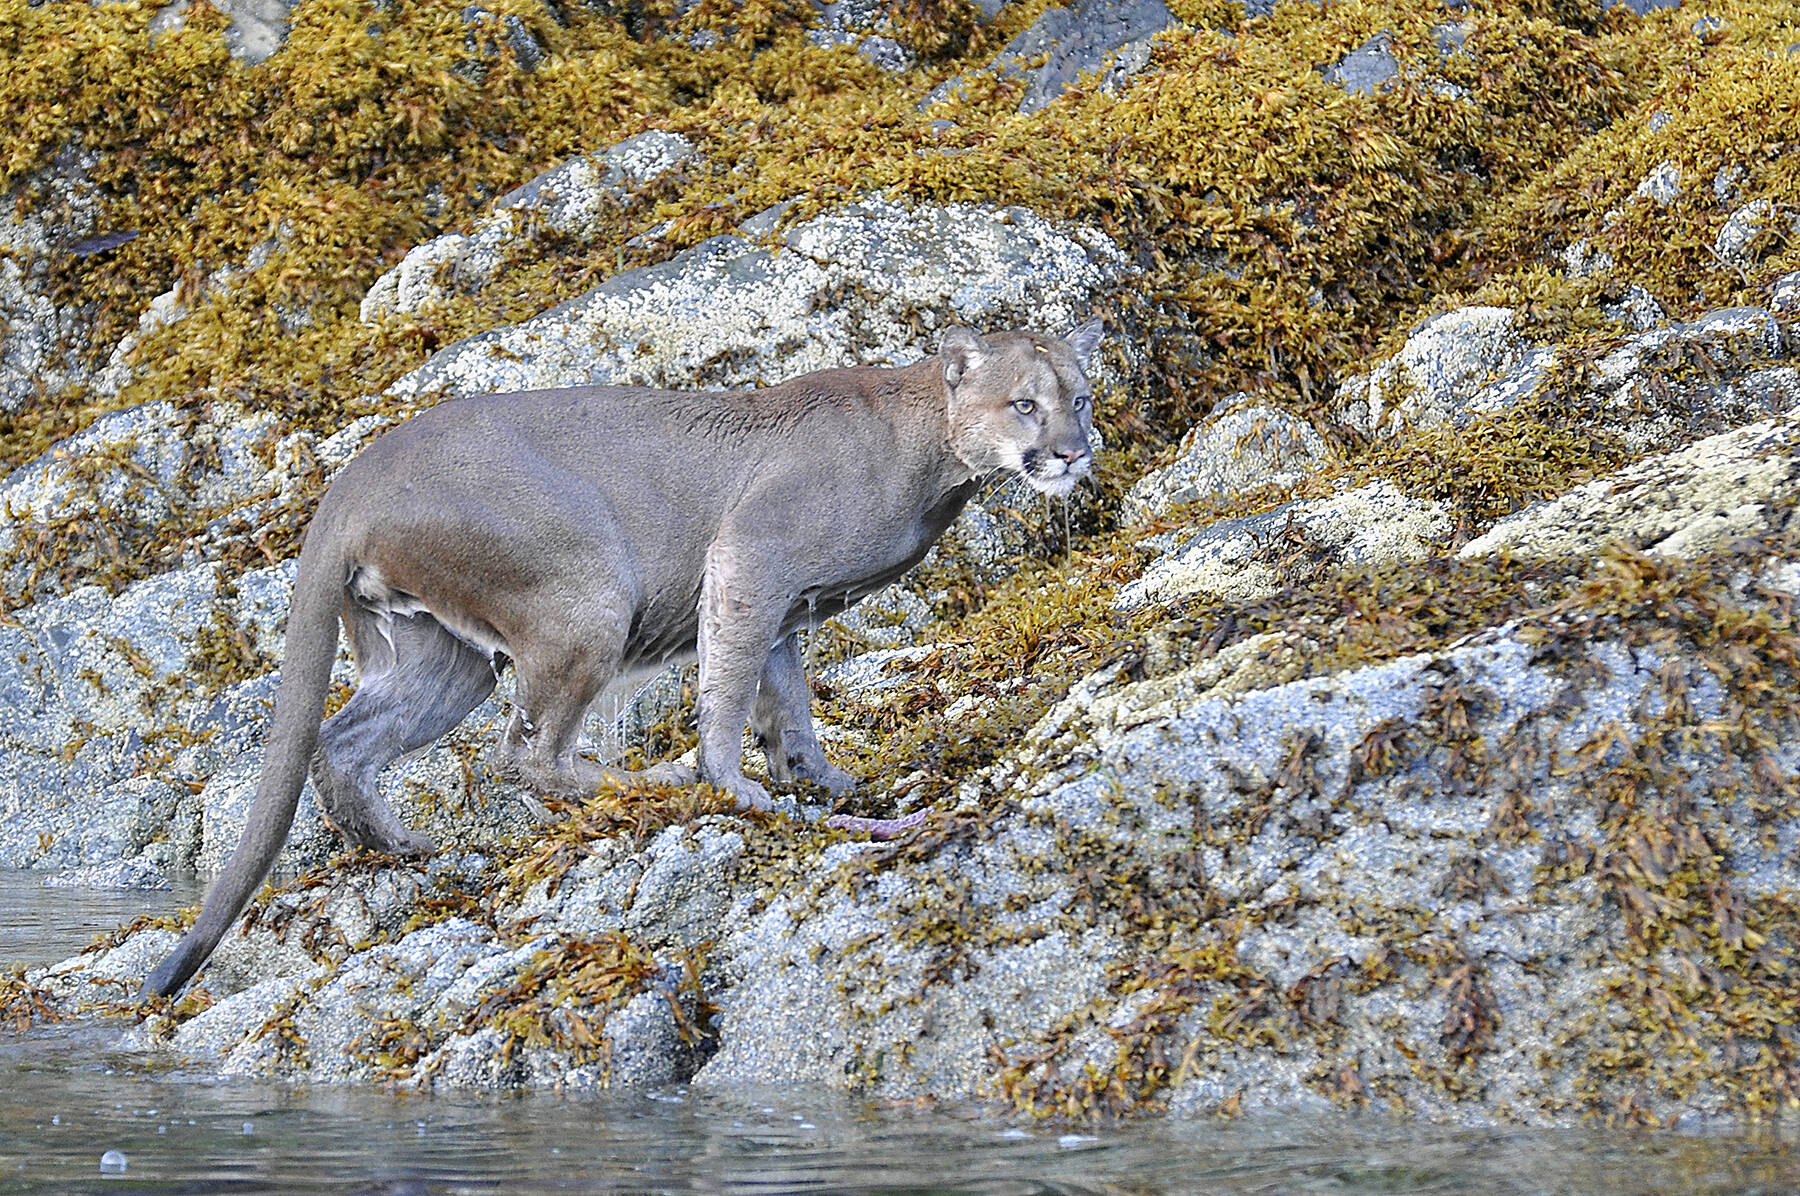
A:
(1082, 401)
(1024, 406)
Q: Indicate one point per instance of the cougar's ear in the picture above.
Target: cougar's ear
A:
(961, 350)
(1085, 339)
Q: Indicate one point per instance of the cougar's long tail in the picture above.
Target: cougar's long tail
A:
(293, 734)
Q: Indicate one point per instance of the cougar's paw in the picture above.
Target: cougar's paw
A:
(671, 772)
(833, 778)
(746, 792)
(392, 840)
(413, 843)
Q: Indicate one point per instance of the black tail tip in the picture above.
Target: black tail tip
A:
(165, 981)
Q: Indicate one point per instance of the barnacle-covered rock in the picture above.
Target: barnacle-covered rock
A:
(109, 491)
(1460, 361)
(50, 212)
(1784, 296)
(1738, 241)
(1680, 504)
(256, 30)
(565, 201)
(1671, 384)
(864, 25)
(1245, 447)
(1253, 557)
(1366, 69)
(731, 313)
(137, 873)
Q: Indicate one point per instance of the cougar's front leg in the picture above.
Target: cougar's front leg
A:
(782, 720)
(739, 621)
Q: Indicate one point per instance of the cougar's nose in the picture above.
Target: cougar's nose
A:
(1073, 456)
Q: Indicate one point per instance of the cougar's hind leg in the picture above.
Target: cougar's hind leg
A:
(418, 683)
(557, 682)
(781, 717)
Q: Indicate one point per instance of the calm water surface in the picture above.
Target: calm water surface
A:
(67, 1098)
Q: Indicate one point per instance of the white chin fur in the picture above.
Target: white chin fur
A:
(1055, 487)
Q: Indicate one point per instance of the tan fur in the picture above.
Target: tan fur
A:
(582, 533)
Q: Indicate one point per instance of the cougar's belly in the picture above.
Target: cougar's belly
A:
(386, 602)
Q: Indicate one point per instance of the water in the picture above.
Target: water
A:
(67, 1099)
(39, 925)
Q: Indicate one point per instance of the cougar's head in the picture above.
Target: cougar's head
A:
(1021, 401)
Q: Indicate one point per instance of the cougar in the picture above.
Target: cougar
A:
(579, 534)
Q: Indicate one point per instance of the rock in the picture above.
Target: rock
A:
(114, 874)
(91, 677)
(257, 29)
(29, 694)
(1670, 385)
(1662, 184)
(1784, 297)
(104, 973)
(731, 313)
(1677, 504)
(424, 277)
(1395, 847)
(1367, 69)
(904, 1043)
(173, 306)
(1441, 371)
(566, 201)
(569, 198)
(890, 618)
(674, 893)
(217, 1030)
(1640, 7)
(42, 344)
(1736, 244)
(1253, 557)
(66, 815)
(97, 685)
(1246, 447)
(1728, 184)
(407, 1010)
(624, 715)
(1082, 37)
(115, 656)
(526, 49)
(866, 26)
(1638, 308)
(1314, 875)
(1581, 259)
(873, 672)
(114, 488)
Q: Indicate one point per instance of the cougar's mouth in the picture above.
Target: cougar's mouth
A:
(1049, 474)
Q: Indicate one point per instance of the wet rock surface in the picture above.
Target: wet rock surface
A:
(1254, 557)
